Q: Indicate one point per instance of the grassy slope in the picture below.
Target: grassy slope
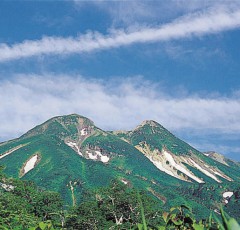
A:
(158, 138)
(60, 164)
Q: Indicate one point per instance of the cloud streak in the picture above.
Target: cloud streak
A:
(197, 24)
(28, 100)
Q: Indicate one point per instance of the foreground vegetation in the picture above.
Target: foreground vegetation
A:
(25, 206)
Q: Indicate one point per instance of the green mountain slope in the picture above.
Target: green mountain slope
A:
(70, 155)
(176, 157)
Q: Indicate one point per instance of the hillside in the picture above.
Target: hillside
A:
(70, 155)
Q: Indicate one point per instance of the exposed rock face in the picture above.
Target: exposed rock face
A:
(216, 156)
(169, 154)
(175, 165)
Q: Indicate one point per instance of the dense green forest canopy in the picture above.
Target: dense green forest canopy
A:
(23, 205)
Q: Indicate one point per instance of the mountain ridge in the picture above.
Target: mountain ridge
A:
(69, 154)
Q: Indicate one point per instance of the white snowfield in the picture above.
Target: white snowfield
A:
(169, 169)
(222, 175)
(181, 167)
(30, 164)
(124, 181)
(74, 146)
(172, 165)
(92, 156)
(84, 132)
(160, 166)
(11, 151)
(210, 172)
(204, 171)
(227, 195)
(97, 154)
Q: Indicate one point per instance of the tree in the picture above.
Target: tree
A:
(116, 205)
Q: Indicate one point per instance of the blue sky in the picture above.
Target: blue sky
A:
(122, 62)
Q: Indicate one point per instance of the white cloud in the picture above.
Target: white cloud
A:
(27, 101)
(197, 24)
(132, 13)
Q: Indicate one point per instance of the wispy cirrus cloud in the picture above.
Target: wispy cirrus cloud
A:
(27, 100)
(132, 13)
(197, 24)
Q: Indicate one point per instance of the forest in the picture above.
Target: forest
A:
(23, 205)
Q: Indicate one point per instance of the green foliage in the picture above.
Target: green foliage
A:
(24, 206)
(60, 165)
(179, 217)
(116, 206)
(182, 218)
(43, 225)
(144, 224)
(47, 203)
(228, 223)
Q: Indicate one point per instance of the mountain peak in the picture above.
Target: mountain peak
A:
(151, 123)
(73, 118)
(62, 126)
(216, 156)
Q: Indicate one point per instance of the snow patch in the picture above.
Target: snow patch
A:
(209, 171)
(104, 159)
(172, 164)
(227, 194)
(97, 154)
(91, 156)
(160, 164)
(204, 170)
(180, 167)
(124, 181)
(11, 151)
(30, 164)
(84, 132)
(222, 175)
(74, 146)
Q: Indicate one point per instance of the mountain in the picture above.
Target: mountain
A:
(70, 155)
(171, 155)
(221, 158)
